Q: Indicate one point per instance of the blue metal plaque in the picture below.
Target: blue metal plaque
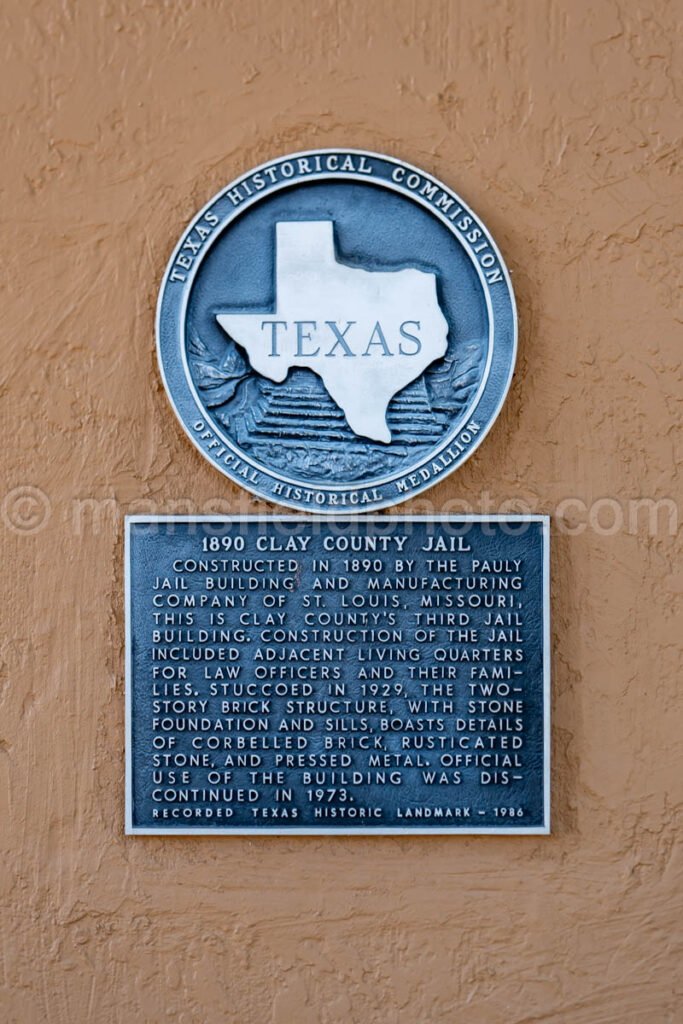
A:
(336, 331)
(303, 675)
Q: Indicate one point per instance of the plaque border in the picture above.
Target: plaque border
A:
(535, 830)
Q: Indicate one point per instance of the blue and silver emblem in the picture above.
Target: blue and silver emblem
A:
(336, 331)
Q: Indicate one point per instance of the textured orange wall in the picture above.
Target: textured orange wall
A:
(558, 122)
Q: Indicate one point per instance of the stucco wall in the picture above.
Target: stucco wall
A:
(558, 122)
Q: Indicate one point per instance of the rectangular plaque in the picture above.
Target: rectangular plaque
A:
(383, 674)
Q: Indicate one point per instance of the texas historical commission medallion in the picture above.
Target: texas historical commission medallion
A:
(336, 331)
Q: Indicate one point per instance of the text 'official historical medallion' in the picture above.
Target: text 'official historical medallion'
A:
(336, 331)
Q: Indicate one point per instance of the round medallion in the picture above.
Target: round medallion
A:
(336, 331)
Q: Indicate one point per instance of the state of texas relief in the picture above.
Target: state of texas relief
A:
(367, 334)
